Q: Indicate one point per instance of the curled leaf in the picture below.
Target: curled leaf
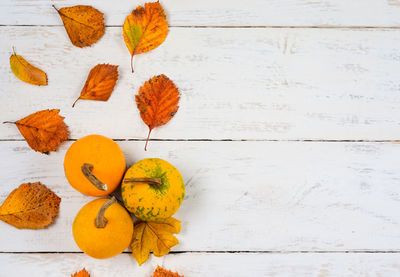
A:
(161, 272)
(82, 273)
(30, 206)
(44, 130)
(157, 102)
(84, 24)
(27, 72)
(145, 29)
(100, 83)
(156, 237)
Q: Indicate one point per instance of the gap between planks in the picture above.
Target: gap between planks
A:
(244, 140)
(230, 252)
(233, 27)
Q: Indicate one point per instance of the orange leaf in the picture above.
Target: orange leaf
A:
(84, 24)
(157, 102)
(145, 28)
(30, 206)
(82, 273)
(27, 72)
(100, 83)
(161, 272)
(44, 130)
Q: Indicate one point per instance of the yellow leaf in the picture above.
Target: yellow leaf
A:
(30, 206)
(156, 237)
(27, 72)
(145, 28)
(82, 273)
(84, 24)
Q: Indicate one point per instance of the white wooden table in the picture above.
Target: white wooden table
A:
(286, 134)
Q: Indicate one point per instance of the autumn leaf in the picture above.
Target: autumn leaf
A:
(30, 206)
(156, 237)
(145, 29)
(44, 130)
(27, 72)
(82, 273)
(84, 24)
(100, 83)
(157, 102)
(161, 272)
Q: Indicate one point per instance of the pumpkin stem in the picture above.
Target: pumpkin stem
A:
(87, 171)
(155, 182)
(101, 221)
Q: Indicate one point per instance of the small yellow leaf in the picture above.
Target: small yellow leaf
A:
(27, 72)
(30, 206)
(156, 237)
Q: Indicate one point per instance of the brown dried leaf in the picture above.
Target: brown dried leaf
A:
(30, 206)
(44, 130)
(82, 273)
(100, 83)
(161, 272)
(84, 24)
(27, 72)
(157, 102)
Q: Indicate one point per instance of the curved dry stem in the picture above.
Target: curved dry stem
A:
(73, 104)
(101, 221)
(87, 172)
(132, 63)
(147, 140)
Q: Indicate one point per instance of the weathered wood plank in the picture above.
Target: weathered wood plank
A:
(207, 264)
(222, 12)
(283, 84)
(241, 196)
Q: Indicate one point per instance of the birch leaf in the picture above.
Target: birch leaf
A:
(26, 72)
(30, 206)
(100, 83)
(157, 102)
(44, 131)
(84, 24)
(145, 29)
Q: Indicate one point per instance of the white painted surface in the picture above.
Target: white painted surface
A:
(222, 12)
(243, 196)
(208, 264)
(236, 83)
(280, 84)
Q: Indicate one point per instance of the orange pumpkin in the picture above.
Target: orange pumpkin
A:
(102, 228)
(94, 165)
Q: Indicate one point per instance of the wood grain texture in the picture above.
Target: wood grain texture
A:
(268, 84)
(222, 12)
(207, 264)
(242, 196)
